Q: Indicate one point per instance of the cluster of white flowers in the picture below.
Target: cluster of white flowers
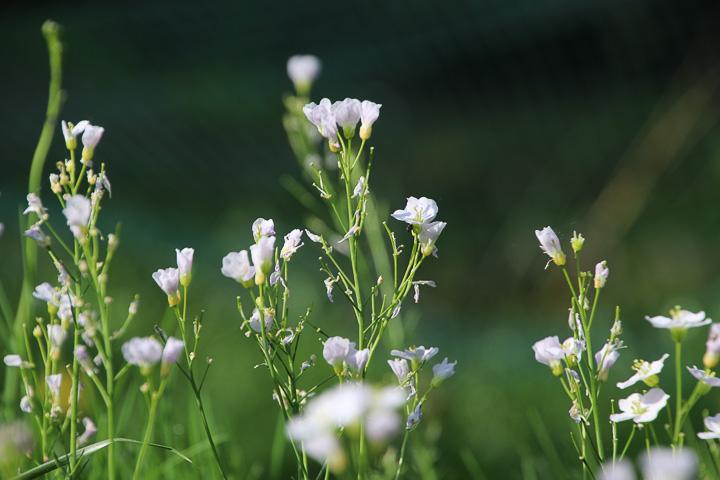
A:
(327, 116)
(170, 279)
(345, 408)
(146, 352)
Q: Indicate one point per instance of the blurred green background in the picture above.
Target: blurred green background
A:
(596, 116)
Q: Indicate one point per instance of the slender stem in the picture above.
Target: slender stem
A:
(401, 460)
(627, 444)
(678, 392)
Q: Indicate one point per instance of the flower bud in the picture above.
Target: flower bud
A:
(577, 241)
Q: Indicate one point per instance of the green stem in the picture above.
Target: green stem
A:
(155, 397)
(401, 460)
(678, 392)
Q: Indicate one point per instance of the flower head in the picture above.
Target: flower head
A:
(347, 114)
(268, 320)
(262, 257)
(170, 354)
(400, 368)
(143, 352)
(601, 274)
(335, 350)
(77, 212)
(712, 425)
(549, 351)
(606, 357)
(236, 265)
(443, 371)
(416, 355)
(35, 206)
(184, 263)
(641, 408)
(263, 228)
(369, 113)
(323, 117)
(429, 233)
(417, 211)
(705, 376)
(303, 70)
(168, 280)
(550, 245)
(646, 372)
(70, 132)
(679, 320)
(292, 244)
(91, 137)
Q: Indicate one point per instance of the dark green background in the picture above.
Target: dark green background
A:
(600, 116)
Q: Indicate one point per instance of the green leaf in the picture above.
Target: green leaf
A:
(48, 467)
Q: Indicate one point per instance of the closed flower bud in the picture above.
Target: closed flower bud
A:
(70, 132)
(184, 263)
(369, 113)
(170, 354)
(262, 256)
(168, 280)
(577, 241)
(91, 137)
(601, 274)
(550, 245)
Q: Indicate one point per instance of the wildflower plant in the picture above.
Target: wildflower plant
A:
(644, 399)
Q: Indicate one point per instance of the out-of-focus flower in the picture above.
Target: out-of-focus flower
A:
(646, 372)
(345, 408)
(77, 212)
(601, 274)
(417, 211)
(621, 470)
(357, 359)
(335, 350)
(262, 257)
(268, 319)
(663, 463)
(641, 408)
(416, 286)
(329, 285)
(88, 433)
(185, 263)
(170, 354)
(414, 418)
(35, 206)
(705, 376)
(416, 355)
(303, 70)
(36, 233)
(443, 371)
(577, 241)
(91, 137)
(53, 383)
(15, 360)
(143, 352)
(712, 347)
(47, 294)
(26, 404)
(359, 187)
(315, 238)
(262, 227)
(292, 244)
(550, 245)
(369, 113)
(236, 265)
(168, 279)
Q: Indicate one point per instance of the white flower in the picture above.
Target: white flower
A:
(57, 335)
(35, 206)
(292, 244)
(335, 350)
(664, 463)
(77, 212)
(712, 424)
(263, 228)
(679, 319)
(91, 137)
(168, 280)
(236, 265)
(172, 350)
(315, 238)
(357, 359)
(13, 360)
(329, 285)
(705, 376)
(712, 347)
(47, 294)
(254, 320)
(90, 430)
(417, 211)
(142, 351)
(185, 263)
(322, 116)
(303, 70)
(550, 245)
(429, 233)
(71, 134)
(621, 470)
(646, 372)
(369, 113)
(53, 382)
(549, 351)
(601, 274)
(606, 357)
(36, 233)
(26, 404)
(443, 371)
(262, 257)
(347, 114)
(641, 408)
(400, 368)
(416, 355)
